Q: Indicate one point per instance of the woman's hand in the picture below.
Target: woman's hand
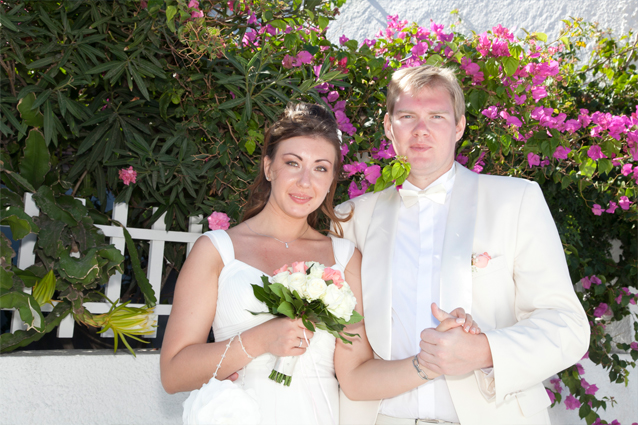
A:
(286, 337)
(456, 318)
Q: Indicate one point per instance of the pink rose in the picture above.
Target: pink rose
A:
(282, 269)
(299, 266)
(481, 260)
(333, 275)
(218, 221)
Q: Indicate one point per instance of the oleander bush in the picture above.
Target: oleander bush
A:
(163, 104)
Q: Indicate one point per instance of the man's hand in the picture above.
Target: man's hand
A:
(454, 319)
(449, 350)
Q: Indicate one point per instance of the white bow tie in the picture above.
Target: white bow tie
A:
(411, 197)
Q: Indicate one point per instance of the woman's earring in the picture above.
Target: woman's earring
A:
(267, 178)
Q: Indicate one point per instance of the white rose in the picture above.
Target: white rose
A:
(221, 402)
(316, 270)
(281, 278)
(297, 282)
(332, 298)
(315, 288)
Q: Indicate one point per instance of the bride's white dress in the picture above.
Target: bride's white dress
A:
(313, 396)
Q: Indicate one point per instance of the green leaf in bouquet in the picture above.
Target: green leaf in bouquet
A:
(307, 323)
(355, 318)
(277, 289)
(288, 295)
(286, 309)
(260, 293)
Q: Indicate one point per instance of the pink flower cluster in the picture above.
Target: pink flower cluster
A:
(572, 403)
(496, 44)
(472, 70)
(197, 13)
(370, 175)
(588, 281)
(128, 175)
(623, 202)
(303, 57)
(625, 292)
(590, 389)
(218, 221)
(601, 310)
(384, 151)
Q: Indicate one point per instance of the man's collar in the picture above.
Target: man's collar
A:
(447, 180)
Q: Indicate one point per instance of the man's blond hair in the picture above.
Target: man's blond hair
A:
(413, 80)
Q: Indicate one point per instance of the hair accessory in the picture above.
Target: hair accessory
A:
(421, 372)
(339, 135)
(242, 346)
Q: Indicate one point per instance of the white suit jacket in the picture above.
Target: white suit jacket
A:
(523, 300)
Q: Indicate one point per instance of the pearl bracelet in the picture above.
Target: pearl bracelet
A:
(244, 348)
(421, 372)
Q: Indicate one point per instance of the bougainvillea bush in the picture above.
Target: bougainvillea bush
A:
(163, 104)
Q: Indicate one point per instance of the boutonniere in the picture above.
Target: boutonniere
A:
(480, 261)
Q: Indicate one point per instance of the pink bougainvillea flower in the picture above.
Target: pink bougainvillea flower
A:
(303, 57)
(580, 368)
(354, 191)
(193, 3)
(634, 346)
(596, 153)
(624, 203)
(539, 92)
(288, 61)
(571, 402)
(354, 168)
(491, 112)
(218, 221)
(626, 169)
(252, 19)
(533, 159)
(562, 152)
(372, 173)
(515, 121)
(597, 209)
(551, 395)
(461, 159)
(556, 382)
(612, 207)
(333, 95)
(519, 100)
(601, 310)
(128, 175)
(595, 280)
(586, 282)
(343, 39)
(420, 48)
(197, 14)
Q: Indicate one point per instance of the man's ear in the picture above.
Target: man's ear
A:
(387, 126)
(460, 128)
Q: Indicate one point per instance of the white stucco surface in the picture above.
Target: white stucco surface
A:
(78, 387)
(362, 19)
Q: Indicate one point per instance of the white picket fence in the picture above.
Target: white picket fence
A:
(157, 236)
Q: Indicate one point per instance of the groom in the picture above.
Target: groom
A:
(460, 239)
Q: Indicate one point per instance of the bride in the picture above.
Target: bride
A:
(299, 168)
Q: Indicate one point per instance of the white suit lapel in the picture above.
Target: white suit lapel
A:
(456, 270)
(376, 273)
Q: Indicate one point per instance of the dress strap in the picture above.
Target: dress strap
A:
(343, 250)
(223, 243)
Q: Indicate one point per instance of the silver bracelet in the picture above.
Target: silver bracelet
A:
(244, 348)
(421, 372)
(223, 356)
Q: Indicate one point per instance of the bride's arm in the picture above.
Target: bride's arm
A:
(187, 361)
(360, 375)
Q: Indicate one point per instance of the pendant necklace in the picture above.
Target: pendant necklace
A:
(278, 240)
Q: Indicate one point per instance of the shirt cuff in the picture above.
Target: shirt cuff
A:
(485, 379)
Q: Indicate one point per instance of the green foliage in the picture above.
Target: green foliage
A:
(104, 86)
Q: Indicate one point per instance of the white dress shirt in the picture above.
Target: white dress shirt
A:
(416, 269)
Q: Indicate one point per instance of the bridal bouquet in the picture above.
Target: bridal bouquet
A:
(313, 292)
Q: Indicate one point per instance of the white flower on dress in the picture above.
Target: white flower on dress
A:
(221, 402)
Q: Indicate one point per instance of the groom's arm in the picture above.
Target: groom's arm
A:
(551, 332)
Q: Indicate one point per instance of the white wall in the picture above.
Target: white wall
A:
(362, 19)
(78, 387)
